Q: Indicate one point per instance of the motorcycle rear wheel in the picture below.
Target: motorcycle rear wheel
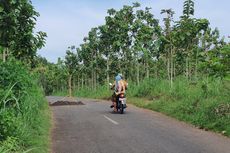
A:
(122, 109)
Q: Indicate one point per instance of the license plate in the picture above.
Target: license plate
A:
(123, 100)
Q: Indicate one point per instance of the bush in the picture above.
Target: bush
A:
(23, 109)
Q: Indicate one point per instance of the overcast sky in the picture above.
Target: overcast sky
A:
(67, 22)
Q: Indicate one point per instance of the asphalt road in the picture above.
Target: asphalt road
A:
(93, 128)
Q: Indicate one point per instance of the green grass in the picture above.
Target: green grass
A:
(205, 103)
(60, 93)
(24, 111)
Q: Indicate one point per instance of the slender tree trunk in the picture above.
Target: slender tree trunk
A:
(125, 73)
(95, 80)
(82, 81)
(4, 55)
(171, 73)
(168, 67)
(138, 73)
(78, 82)
(92, 79)
(147, 70)
(74, 84)
(87, 82)
(70, 85)
(196, 65)
(174, 68)
(7, 52)
(187, 68)
(107, 72)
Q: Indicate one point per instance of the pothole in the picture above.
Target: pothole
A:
(61, 103)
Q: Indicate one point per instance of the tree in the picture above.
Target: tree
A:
(71, 62)
(17, 22)
(188, 8)
(186, 32)
(146, 33)
(216, 62)
(132, 42)
(8, 24)
(168, 42)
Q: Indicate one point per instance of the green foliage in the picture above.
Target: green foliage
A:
(17, 24)
(132, 42)
(52, 77)
(217, 62)
(9, 145)
(8, 123)
(206, 107)
(188, 8)
(24, 118)
(102, 92)
(132, 36)
(24, 115)
(71, 61)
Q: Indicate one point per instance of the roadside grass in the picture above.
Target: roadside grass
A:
(24, 111)
(60, 93)
(101, 93)
(204, 103)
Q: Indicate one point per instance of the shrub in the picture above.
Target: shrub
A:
(23, 109)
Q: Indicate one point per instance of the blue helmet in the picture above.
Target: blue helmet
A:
(120, 74)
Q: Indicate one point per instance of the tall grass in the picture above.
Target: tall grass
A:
(24, 113)
(204, 103)
(102, 92)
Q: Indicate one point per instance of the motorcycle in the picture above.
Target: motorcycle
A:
(120, 101)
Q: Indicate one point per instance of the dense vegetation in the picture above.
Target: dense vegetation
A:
(132, 42)
(204, 103)
(183, 66)
(181, 69)
(24, 113)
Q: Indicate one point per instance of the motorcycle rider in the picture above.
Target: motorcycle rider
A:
(119, 86)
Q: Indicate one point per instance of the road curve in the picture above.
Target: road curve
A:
(93, 128)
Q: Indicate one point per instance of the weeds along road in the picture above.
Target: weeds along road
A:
(93, 128)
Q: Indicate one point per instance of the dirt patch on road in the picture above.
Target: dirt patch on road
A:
(61, 103)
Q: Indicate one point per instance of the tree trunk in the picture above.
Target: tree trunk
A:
(138, 73)
(95, 80)
(70, 85)
(89, 83)
(147, 70)
(78, 82)
(92, 79)
(171, 73)
(174, 68)
(82, 81)
(74, 83)
(107, 73)
(196, 65)
(4, 55)
(187, 68)
(168, 67)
